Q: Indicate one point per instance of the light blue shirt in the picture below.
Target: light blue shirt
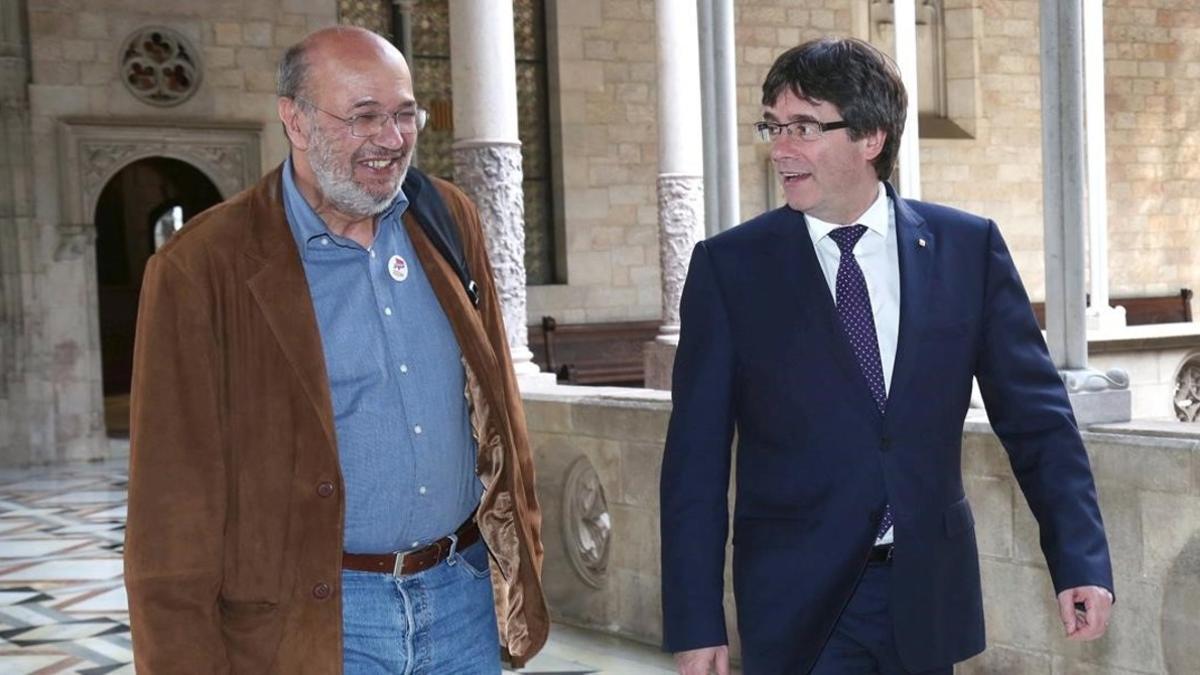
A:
(397, 382)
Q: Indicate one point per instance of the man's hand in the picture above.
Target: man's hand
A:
(703, 661)
(1090, 622)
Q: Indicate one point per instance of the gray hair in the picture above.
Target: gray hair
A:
(292, 76)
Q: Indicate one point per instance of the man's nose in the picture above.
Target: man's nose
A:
(389, 136)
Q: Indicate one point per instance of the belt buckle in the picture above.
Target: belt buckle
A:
(398, 566)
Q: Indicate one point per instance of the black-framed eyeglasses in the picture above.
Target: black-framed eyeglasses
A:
(804, 130)
(367, 125)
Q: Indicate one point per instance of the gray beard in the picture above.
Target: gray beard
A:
(337, 183)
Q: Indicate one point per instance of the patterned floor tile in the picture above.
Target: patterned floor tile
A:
(63, 608)
(60, 570)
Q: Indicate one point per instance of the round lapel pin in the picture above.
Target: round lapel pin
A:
(398, 268)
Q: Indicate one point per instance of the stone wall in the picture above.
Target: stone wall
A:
(606, 95)
(75, 51)
(1148, 478)
(606, 88)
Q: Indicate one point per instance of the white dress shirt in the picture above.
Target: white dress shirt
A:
(878, 256)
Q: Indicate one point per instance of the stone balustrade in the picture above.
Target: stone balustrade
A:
(1147, 474)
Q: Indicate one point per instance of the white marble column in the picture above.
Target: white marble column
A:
(904, 19)
(718, 95)
(724, 68)
(487, 150)
(1100, 315)
(680, 171)
(1096, 397)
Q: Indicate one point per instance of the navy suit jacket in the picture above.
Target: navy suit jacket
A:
(761, 352)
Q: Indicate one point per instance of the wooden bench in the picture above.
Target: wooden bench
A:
(593, 353)
(1175, 308)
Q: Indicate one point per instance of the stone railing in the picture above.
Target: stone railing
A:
(601, 534)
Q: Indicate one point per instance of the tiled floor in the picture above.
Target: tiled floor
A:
(62, 601)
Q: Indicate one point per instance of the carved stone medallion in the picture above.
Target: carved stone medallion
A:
(587, 525)
(159, 66)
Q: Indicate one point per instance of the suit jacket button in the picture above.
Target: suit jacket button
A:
(321, 591)
(325, 489)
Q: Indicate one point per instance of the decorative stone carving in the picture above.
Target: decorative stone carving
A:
(1078, 381)
(587, 525)
(681, 224)
(92, 151)
(74, 239)
(1187, 391)
(159, 66)
(490, 174)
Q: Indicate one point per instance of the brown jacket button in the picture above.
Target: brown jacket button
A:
(321, 591)
(325, 489)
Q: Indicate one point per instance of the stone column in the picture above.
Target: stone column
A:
(680, 172)
(402, 28)
(718, 88)
(16, 219)
(1096, 397)
(1100, 315)
(487, 151)
(708, 115)
(726, 103)
(904, 19)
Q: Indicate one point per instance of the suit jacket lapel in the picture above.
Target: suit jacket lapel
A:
(281, 291)
(797, 255)
(917, 250)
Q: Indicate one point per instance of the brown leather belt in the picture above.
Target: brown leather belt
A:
(416, 560)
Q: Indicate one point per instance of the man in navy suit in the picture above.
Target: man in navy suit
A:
(839, 336)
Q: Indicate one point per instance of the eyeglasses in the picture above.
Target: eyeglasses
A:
(367, 125)
(804, 130)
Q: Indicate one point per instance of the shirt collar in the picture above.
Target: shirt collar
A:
(307, 225)
(875, 218)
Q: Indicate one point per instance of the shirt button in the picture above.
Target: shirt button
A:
(372, 253)
(325, 489)
(403, 367)
(325, 240)
(421, 489)
(321, 591)
(387, 311)
(417, 429)
(416, 544)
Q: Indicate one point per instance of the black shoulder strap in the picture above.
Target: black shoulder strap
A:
(431, 213)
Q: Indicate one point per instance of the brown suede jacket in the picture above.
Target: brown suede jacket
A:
(234, 538)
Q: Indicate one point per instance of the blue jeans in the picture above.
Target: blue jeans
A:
(437, 621)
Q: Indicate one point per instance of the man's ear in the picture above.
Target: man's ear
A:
(873, 143)
(295, 122)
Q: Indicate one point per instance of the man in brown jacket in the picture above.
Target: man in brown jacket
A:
(310, 490)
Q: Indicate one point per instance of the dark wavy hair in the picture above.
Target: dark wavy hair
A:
(860, 80)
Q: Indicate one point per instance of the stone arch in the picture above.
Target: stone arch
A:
(91, 152)
(130, 226)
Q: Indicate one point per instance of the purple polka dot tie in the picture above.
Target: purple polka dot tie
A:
(858, 322)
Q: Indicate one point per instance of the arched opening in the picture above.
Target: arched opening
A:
(139, 209)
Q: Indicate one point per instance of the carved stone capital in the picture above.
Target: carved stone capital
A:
(74, 239)
(1187, 391)
(680, 227)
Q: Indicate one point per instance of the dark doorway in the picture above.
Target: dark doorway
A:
(138, 211)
